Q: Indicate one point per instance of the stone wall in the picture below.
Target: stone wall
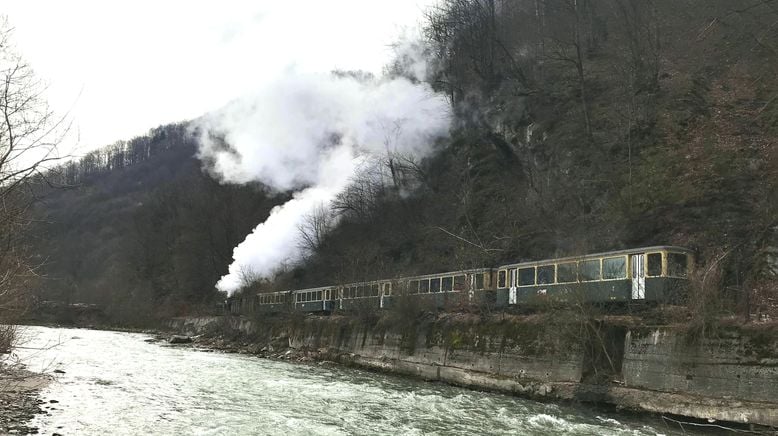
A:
(462, 353)
(727, 365)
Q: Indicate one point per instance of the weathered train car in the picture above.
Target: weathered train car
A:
(657, 273)
(373, 294)
(448, 289)
(274, 302)
(321, 299)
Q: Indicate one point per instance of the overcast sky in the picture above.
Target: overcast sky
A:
(120, 68)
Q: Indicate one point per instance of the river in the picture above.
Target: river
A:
(116, 383)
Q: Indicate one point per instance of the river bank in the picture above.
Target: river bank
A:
(20, 399)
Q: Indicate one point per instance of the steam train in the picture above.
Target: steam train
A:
(648, 274)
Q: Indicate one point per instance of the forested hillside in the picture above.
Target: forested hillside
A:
(140, 230)
(581, 125)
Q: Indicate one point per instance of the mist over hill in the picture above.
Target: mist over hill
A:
(578, 127)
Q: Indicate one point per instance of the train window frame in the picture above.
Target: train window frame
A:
(443, 281)
(573, 270)
(482, 285)
(648, 265)
(387, 289)
(624, 272)
(520, 276)
(459, 283)
(375, 291)
(582, 277)
(413, 286)
(424, 286)
(670, 269)
(435, 285)
(545, 267)
(502, 279)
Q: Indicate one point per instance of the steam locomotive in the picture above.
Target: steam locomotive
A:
(654, 274)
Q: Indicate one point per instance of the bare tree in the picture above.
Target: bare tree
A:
(29, 133)
(314, 228)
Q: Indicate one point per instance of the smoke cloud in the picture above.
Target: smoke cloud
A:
(308, 133)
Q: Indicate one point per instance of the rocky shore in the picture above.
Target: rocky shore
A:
(20, 400)
(222, 344)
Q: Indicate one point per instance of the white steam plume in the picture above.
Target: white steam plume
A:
(308, 133)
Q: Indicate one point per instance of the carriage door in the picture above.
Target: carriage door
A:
(638, 277)
(512, 286)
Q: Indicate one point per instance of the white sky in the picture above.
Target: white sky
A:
(120, 68)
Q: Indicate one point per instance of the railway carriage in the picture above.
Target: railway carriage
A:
(643, 274)
(364, 294)
(454, 288)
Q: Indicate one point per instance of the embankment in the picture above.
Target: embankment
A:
(729, 375)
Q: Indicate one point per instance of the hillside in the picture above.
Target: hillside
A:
(581, 126)
(140, 230)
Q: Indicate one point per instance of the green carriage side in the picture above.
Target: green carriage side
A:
(658, 274)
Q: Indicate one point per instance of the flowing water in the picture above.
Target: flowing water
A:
(115, 383)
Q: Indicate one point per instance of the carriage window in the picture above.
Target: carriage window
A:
(447, 284)
(545, 274)
(318, 295)
(589, 270)
(527, 276)
(566, 272)
(387, 289)
(654, 264)
(460, 283)
(480, 280)
(374, 290)
(501, 275)
(614, 268)
(435, 285)
(677, 265)
(424, 286)
(413, 287)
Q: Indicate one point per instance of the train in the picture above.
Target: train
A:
(647, 274)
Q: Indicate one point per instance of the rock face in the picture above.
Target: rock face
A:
(729, 376)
